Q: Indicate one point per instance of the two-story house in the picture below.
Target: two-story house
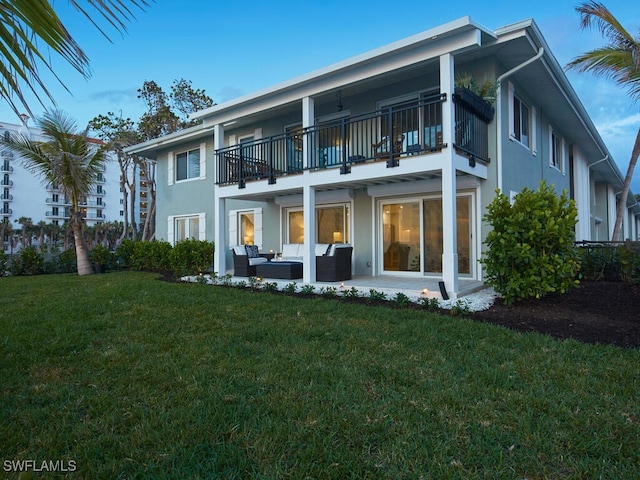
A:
(384, 152)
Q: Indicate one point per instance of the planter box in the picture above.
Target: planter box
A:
(476, 104)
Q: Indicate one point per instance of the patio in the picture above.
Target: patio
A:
(412, 287)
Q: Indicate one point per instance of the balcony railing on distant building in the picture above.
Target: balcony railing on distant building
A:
(6, 183)
(389, 134)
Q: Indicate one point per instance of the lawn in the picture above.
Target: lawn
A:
(125, 376)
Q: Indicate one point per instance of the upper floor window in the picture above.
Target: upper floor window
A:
(188, 165)
(522, 121)
(556, 151)
(185, 165)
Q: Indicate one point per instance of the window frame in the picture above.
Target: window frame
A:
(516, 120)
(556, 146)
(172, 173)
(172, 230)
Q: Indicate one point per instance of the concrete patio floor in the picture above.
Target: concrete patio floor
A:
(412, 287)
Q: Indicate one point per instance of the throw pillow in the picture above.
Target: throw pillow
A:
(252, 251)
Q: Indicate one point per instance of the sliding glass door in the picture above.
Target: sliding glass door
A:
(412, 239)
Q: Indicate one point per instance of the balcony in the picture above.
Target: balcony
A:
(6, 197)
(389, 134)
(51, 200)
(6, 211)
(6, 168)
(6, 183)
(62, 215)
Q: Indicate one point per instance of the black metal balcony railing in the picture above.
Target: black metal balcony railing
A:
(389, 134)
(6, 197)
(6, 183)
(266, 158)
(6, 211)
(471, 133)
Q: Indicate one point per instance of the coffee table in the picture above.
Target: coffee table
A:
(286, 270)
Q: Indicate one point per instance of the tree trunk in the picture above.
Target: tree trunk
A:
(82, 253)
(621, 211)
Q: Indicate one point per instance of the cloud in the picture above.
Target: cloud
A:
(122, 96)
(228, 92)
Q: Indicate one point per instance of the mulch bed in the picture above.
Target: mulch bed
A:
(595, 312)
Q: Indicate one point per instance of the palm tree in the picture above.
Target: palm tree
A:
(68, 159)
(620, 61)
(26, 24)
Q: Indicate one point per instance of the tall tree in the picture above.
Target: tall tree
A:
(619, 60)
(69, 159)
(25, 25)
(120, 133)
(26, 223)
(168, 113)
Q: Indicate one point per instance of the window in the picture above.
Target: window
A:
(245, 227)
(556, 151)
(187, 227)
(122, 213)
(188, 165)
(99, 189)
(332, 224)
(522, 119)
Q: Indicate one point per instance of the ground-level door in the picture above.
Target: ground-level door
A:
(411, 240)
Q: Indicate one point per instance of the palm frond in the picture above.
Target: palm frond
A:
(66, 156)
(619, 60)
(23, 23)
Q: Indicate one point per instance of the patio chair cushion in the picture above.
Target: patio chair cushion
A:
(321, 249)
(252, 251)
(290, 250)
(253, 261)
(239, 250)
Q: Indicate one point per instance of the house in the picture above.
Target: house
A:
(384, 152)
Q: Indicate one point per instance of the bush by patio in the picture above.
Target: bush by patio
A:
(531, 251)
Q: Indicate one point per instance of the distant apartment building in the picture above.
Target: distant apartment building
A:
(24, 194)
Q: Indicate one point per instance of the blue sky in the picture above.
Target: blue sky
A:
(233, 48)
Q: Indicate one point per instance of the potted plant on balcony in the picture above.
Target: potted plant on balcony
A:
(478, 98)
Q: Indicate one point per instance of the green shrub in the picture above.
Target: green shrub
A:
(531, 250)
(101, 258)
(190, 257)
(151, 256)
(3, 263)
(608, 262)
(124, 252)
(28, 262)
(67, 261)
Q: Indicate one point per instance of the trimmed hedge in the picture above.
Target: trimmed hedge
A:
(188, 257)
(609, 262)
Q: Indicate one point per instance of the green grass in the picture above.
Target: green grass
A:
(131, 377)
